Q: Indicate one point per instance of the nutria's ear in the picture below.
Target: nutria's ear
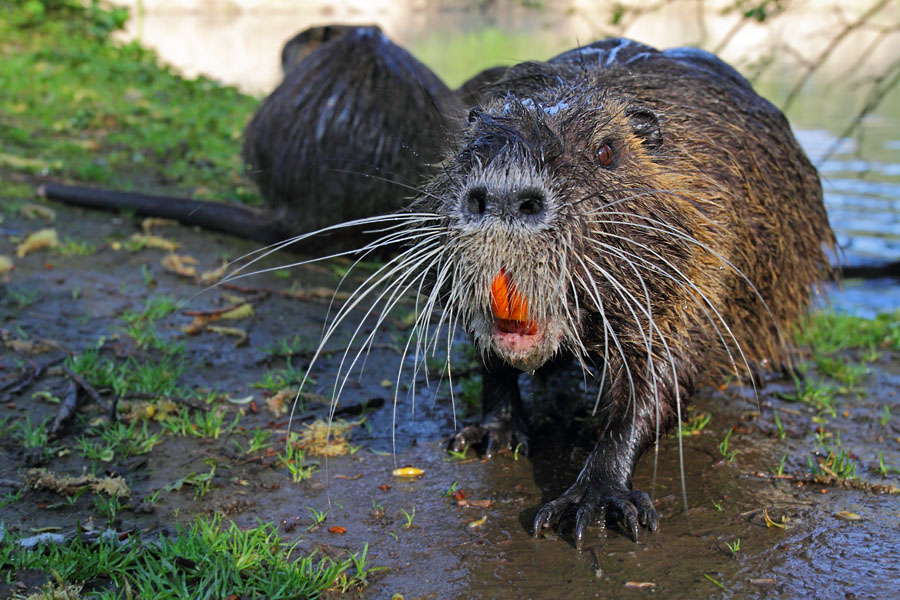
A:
(645, 124)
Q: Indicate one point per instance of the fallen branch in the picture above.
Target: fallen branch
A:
(66, 409)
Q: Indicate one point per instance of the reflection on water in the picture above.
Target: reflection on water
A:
(239, 43)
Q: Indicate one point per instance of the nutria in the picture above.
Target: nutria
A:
(348, 133)
(471, 93)
(644, 213)
(296, 49)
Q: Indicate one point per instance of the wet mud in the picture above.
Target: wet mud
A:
(434, 541)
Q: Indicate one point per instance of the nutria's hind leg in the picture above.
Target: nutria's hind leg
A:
(602, 493)
(504, 425)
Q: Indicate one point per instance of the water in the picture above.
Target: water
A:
(240, 44)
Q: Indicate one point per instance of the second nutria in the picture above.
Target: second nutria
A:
(644, 213)
(296, 49)
(349, 132)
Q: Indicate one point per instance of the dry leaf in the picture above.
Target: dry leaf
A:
(27, 164)
(845, 515)
(320, 440)
(211, 277)
(241, 312)
(178, 264)
(151, 222)
(478, 522)
(154, 241)
(770, 522)
(63, 485)
(280, 402)
(6, 264)
(34, 211)
(44, 238)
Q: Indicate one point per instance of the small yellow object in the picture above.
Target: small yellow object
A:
(44, 238)
(408, 472)
(241, 312)
(154, 241)
(35, 211)
(478, 522)
(151, 410)
(770, 522)
(6, 264)
(844, 515)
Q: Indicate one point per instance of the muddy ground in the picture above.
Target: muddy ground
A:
(483, 548)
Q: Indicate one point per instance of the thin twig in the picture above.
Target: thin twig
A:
(66, 409)
(831, 47)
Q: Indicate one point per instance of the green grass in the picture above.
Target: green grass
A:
(119, 439)
(33, 436)
(208, 560)
(157, 378)
(210, 424)
(279, 379)
(820, 395)
(828, 332)
(75, 104)
(839, 464)
(695, 424)
(728, 455)
(294, 459)
(141, 325)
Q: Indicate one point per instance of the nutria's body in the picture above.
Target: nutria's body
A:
(296, 49)
(349, 132)
(643, 212)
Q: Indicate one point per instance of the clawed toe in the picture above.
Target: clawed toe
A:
(492, 438)
(602, 505)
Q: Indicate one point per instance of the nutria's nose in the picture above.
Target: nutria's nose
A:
(527, 203)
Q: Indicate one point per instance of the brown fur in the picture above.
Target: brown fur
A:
(348, 133)
(728, 173)
(661, 223)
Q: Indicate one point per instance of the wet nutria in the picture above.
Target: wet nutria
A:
(296, 49)
(644, 213)
(349, 132)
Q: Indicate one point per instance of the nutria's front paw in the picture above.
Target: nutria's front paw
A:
(491, 437)
(602, 504)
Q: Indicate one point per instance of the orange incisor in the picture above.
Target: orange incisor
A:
(509, 306)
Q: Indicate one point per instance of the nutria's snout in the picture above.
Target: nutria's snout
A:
(500, 235)
(526, 204)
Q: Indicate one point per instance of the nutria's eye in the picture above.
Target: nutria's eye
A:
(605, 155)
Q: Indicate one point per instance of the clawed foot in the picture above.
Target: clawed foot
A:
(601, 504)
(491, 437)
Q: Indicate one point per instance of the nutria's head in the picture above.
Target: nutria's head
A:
(546, 201)
(296, 49)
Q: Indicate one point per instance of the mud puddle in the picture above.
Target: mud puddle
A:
(462, 530)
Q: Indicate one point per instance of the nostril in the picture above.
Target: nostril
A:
(476, 200)
(531, 201)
